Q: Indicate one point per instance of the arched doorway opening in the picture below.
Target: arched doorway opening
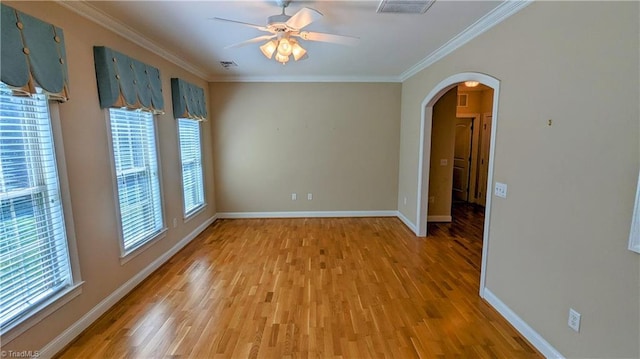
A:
(425, 154)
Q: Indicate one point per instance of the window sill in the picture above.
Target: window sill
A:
(126, 257)
(40, 312)
(194, 212)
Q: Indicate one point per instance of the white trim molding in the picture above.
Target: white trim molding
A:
(310, 214)
(392, 79)
(521, 326)
(439, 219)
(319, 214)
(493, 18)
(407, 222)
(66, 337)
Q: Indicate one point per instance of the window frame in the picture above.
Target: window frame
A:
(37, 313)
(196, 210)
(127, 255)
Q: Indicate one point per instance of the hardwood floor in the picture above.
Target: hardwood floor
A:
(322, 287)
(465, 232)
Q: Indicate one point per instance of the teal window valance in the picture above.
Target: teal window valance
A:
(32, 54)
(188, 100)
(127, 82)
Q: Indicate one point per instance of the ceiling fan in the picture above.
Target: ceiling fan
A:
(284, 29)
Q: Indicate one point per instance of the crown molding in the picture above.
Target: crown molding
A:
(83, 8)
(496, 16)
(393, 79)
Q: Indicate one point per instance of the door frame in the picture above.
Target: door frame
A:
(470, 157)
(424, 155)
(483, 117)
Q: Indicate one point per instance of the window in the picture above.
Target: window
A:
(136, 169)
(191, 158)
(34, 255)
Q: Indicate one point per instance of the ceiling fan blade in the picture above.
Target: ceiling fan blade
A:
(261, 28)
(251, 41)
(322, 37)
(303, 18)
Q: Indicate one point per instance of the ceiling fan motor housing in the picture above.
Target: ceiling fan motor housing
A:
(277, 22)
(283, 3)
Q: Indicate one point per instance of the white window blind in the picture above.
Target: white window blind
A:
(191, 159)
(136, 165)
(34, 257)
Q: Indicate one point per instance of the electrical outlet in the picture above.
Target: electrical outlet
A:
(501, 190)
(444, 162)
(405, 200)
(309, 196)
(294, 196)
(175, 222)
(574, 320)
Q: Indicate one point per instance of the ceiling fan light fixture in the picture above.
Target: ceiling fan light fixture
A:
(269, 48)
(298, 51)
(284, 48)
(284, 29)
(281, 58)
(471, 83)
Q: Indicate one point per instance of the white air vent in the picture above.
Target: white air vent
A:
(405, 6)
(228, 64)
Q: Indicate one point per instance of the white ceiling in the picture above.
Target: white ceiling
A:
(391, 46)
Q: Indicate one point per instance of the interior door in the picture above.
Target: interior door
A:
(462, 159)
(483, 159)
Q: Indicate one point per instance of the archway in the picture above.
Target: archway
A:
(425, 154)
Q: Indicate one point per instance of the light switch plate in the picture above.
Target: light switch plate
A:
(574, 320)
(501, 190)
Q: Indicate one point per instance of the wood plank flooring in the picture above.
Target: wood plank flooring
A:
(322, 287)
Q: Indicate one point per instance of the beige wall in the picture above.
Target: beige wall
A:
(339, 141)
(560, 238)
(84, 131)
(486, 101)
(443, 137)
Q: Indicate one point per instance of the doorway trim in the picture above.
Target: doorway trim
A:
(424, 155)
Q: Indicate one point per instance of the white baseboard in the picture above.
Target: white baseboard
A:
(521, 326)
(438, 218)
(407, 222)
(310, 214)
(56, 345)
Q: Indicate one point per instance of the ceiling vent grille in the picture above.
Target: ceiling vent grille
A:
(404, 6)
(228, 64)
